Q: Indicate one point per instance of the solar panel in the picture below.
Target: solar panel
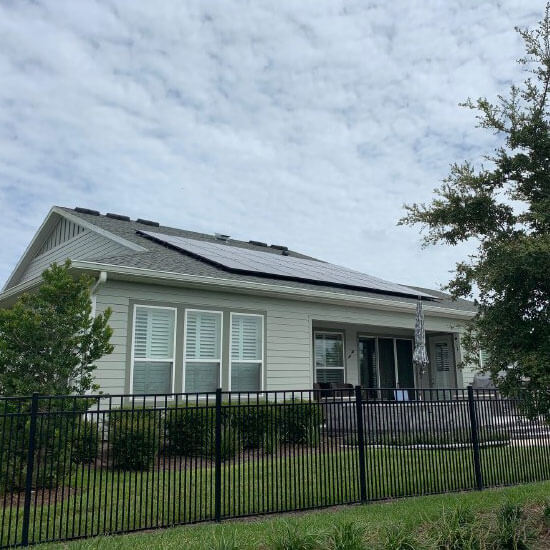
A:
(243, 260)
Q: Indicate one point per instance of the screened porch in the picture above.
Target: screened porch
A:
(373, 357)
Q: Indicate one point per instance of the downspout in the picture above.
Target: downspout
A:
(102, 279)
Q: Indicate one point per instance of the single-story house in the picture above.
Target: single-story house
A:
(193, 312)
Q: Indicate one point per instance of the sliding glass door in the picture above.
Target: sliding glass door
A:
(386, 363)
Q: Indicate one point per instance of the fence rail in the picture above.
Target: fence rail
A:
(80, 466)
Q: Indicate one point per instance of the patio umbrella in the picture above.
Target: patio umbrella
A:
(420, 355)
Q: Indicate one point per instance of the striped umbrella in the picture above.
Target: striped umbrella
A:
(420, 355)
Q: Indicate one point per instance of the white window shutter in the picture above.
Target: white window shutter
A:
(203, 335)
(141, 333)
(154, 333)
(442, 361)
(246, 338)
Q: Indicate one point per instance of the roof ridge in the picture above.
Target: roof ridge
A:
(137, 226)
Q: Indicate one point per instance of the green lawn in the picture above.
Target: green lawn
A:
(410, 513)
(122, 501)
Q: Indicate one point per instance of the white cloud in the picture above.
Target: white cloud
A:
(304, 123)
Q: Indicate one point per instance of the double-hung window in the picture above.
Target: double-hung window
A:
(203, 350)
(329, 357)
(246, 352)
(154, 349)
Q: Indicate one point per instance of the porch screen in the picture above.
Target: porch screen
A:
(153, 350)
(246, 352)
(329, 357)
(203, 335)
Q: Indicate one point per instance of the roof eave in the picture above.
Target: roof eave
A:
(49, 221)
(220, 284)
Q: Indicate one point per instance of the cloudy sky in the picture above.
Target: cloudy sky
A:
(306, 123)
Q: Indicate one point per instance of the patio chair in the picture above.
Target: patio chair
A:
(322, 390)
(341, 390)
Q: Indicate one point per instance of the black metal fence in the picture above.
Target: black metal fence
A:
(73, 467)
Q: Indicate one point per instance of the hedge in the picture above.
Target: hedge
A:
(264, 425)
(135, 438)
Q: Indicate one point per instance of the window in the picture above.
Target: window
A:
(246, 352)
(329, 357)
(203, 350)
(153, 353)
(442, 362)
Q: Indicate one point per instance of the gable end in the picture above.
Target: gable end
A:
(63, 236)
(62, 232)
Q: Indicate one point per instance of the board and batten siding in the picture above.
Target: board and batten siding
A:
(288, 328)
(85, 245)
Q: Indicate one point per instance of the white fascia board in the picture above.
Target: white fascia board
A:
(16, 290)
(48, 223)
(265, 289)
(24, 259)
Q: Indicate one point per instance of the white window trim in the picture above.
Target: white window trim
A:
(343, 367)
(219, 361)
(261, 361)
(132, 355)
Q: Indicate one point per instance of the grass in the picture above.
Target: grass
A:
(387, 522)
(122, 501)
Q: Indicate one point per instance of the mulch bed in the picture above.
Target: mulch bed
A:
(39, 497)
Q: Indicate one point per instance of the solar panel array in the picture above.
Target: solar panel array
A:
(243, 260)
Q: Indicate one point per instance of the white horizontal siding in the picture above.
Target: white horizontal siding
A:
(289, 324)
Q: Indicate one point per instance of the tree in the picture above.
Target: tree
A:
(49, 340)
(504, 208)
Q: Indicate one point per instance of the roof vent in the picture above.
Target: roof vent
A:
(86, 211)
(279, 247)
(148, 222)
(221, 237)
(258, 243)
(118, 217)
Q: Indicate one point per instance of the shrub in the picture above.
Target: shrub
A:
(12, 471)
(346, 536)
(134, 437)
(272, 440)
(458, 530)
(300, 423)
(224, 542)
(188, 429)
(253, 423)
(397, 538)
(53, 449)
(293, 539)
(55, 431)
(13, 458)
(85, 443)
(230, 442)
(511, 531)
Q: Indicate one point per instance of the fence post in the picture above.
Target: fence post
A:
(218, 458)
(475, 437)
(361, 442)
(30, 468)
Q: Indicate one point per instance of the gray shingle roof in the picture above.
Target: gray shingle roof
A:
(159, 258)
